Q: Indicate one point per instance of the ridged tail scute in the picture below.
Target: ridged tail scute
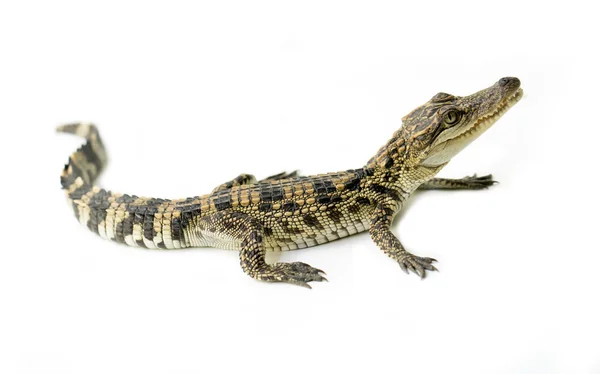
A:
(82, 169)
(86, 163)
(133, 220)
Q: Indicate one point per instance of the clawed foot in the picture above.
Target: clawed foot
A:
(479, 183)
(416, 264)
(297, 273)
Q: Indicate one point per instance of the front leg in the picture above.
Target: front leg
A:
(466, 183)
(391, 246)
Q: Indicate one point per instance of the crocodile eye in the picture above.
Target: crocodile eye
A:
(452, 117)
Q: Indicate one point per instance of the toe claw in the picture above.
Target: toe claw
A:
(298, 273)
(420, 272)
(403, 267)
(417, 265)
(298, 283)
(415, 270)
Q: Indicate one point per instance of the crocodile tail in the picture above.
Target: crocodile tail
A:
(89, 203)
(133, 220)
(87, 162)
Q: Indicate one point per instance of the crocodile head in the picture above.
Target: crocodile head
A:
(453, 122)
(439, 129)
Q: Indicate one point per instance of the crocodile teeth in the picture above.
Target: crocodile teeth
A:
(488, 120)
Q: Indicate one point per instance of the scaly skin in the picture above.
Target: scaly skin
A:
(286, 211)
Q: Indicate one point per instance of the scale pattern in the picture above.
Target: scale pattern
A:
(296, 212)
(279, 213)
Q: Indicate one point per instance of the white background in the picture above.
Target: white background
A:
(188, 95)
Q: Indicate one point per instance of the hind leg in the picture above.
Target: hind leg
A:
(235, 230)
(250, 179)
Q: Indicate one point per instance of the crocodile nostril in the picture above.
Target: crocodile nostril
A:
(512, 82)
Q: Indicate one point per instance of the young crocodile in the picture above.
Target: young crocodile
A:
(286, 211)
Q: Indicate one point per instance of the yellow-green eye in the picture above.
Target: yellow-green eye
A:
(452, 117)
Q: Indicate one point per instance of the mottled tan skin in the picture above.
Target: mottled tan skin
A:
(286, 211)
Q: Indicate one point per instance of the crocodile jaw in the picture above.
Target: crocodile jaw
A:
(443, 152)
